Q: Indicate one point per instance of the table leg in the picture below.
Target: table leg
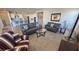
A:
(44, 34)
(37, 35)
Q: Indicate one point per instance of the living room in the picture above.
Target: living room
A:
(44, 27)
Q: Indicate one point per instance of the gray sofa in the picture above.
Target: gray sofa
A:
(32, 28)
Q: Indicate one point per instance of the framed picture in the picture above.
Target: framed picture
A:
(55, 16)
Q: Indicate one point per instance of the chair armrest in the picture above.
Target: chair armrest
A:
(13, 49)
(24, 37)
(19, 48)
(22, 48)
(23, 42)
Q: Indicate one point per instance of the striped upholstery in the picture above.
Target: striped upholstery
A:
(8, 37)
(25, 37)
(0, 49)
(17, 37)
(19, 48)
(13, 42)
(22, 48)
(7, 34)
(23, 42)
(11, 32)
(6, 41)
(5, 45)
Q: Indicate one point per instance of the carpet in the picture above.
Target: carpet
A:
(50, 42)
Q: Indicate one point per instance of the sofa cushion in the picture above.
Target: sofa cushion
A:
(0, 49)
(24, 37)
(7, 36)
(52, 25)
(3, 46)
(11, 41)
(25, 27)
(56, 26)
(31, 25)
(17, 37)
(11, 32)
(23, 42)
(6, 43)
(19, 48)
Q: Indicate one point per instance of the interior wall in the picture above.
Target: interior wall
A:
(77, 28)
(31, 17)
(40, 17)
(67, 14)
(12, 15)
(76, 31)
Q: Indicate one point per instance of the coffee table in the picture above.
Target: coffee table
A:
(41, 32)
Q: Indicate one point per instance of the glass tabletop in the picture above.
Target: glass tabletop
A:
(41, 30)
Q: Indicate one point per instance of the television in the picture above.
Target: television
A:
(55, 17)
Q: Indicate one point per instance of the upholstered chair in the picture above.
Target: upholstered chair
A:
(11, 41)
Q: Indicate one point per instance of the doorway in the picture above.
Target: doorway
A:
(40, 17)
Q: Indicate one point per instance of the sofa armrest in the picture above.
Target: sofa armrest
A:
(22, 48)
(46, 25)
(24, 37)
(23, 42)
(19, 48)
(13, 49)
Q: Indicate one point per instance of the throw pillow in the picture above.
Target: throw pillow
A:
(52, 25)
(25, 27)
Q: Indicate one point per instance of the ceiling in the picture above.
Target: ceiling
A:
(20, 10)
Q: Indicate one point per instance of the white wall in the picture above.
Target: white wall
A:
(12, 15)
(77, 28)
(68, 15)
(76, 31)
(31, 16)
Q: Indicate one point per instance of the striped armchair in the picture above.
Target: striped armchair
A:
(10, 41)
